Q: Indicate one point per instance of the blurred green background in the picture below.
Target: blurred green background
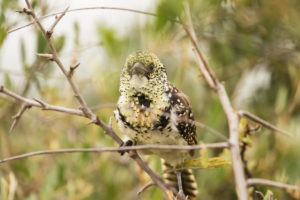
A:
(251, 45)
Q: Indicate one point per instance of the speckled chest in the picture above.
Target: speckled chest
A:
(148, 121)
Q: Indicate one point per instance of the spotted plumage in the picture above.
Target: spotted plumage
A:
(153, 111)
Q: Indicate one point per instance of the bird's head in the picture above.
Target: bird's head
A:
(144, 74)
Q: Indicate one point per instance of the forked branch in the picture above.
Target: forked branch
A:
(232, 117)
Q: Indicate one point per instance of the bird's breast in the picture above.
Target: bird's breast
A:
(141, 116)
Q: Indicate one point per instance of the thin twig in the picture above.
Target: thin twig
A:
(263, 122)
(40, 104)
(72, 69)
(211, 130)
(260, 181)
(118, 149)
(88, 8)
(232, 117)
(17, 117)
(45, 55)
(145, 187)
(50, 31)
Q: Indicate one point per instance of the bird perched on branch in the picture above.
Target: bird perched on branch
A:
(153, 111)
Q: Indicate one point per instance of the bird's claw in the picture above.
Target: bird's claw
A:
(127, 143)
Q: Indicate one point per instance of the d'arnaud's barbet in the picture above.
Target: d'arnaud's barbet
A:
(153, 111)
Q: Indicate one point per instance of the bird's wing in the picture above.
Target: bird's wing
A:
(184, 117)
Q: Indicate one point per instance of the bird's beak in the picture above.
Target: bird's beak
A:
(139, 69)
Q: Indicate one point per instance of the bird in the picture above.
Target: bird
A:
(150, 110)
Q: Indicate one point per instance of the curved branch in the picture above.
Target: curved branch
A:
(88, 8)
(118, 149)
(260, 181)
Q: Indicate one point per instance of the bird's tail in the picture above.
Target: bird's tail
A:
(188, 180)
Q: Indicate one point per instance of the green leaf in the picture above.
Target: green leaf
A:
(59, 42)
(76, 30)
(3, 34)
(205, 163)
(60, 175)
(23, 52)
(7, 82)
(168, 11)
(41, 43)
(113, 43)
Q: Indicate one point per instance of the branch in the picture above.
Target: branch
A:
(263, 122)
(118, 149)
(87, 112)
(46, 55)
(40, 104)
(232, 117)
(72, 69)
(17, 117)
(211, 130)
(50, 31)
(260, 181)
(87, 8)
(145, 187)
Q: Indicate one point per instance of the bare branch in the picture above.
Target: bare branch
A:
(263, 122)
(40, 104)
(232, 117)
(17, 117)
(72, 69)
(189, 29)
(260, 181)
(46, 55)
(50, 31)
(88, 8)
(43, 105)
(118, 149)
(145, 187)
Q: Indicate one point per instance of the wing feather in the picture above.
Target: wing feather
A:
(184, 116)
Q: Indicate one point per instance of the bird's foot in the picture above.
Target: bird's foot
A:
(127, 143)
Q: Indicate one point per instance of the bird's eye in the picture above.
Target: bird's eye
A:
(151, 67)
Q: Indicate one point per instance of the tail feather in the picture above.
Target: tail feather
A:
(188, 180)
